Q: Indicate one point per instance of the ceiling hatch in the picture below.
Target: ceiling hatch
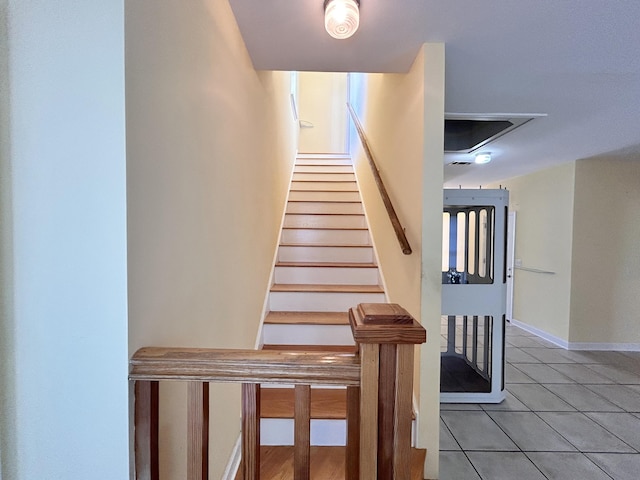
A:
(465, 133)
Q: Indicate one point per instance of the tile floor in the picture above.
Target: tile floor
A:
(569, 415)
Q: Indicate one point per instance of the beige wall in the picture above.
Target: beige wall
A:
(210, 144)
(543, 203)
(403, 123)
(322, 103)
(605, 304)
(580, 221)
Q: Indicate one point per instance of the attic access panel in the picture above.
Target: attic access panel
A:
(465, 133)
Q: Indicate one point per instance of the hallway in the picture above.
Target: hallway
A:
(568, 415)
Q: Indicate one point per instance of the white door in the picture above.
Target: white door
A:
(511, 243)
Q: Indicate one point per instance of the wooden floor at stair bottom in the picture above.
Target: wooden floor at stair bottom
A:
(327, 463)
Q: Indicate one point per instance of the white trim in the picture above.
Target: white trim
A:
(266, 308)
(541, 333)
(233, 465)
(376, 259)
(601, 346)
(332, 156)
(472, 397)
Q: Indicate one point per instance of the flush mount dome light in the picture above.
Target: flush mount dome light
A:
(341, 17)
(482, 158)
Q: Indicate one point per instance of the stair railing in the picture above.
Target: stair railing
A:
(379, 381)
(395, 221)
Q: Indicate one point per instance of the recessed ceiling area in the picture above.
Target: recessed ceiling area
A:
(466, 133)
(574, 60)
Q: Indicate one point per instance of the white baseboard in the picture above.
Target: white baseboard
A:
(601, 346)
(541, 333)
(234, 461)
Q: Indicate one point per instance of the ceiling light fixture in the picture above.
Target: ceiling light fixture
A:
(341, 17)
(482, 158)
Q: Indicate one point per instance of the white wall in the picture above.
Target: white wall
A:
(402, 115)
(544, 235)
(6, 255)
(64, 248)
(322, 106)
(210, 146)
(605, 305)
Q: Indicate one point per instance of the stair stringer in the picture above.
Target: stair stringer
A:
(372, 239)
(265, 305)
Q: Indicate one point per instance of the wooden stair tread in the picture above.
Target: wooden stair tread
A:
(323, 191)
(324, 170)
(327, 463)
(325, 180)
(326, 403)
(351, 349)
(324, 201)
(327, 264)
(326, 213)
(310, 287)
(324, 228)
(307, 318)
(331, 245)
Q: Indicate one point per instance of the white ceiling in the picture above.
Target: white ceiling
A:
(578, 61)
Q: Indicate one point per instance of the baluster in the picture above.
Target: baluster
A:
(386, 408)
(302, 435)
(146, 430)
(352, 452)
(370, 354)
(198, 431)
(251, 431)
(403, 412)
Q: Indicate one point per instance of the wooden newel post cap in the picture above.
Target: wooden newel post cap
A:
(385, 323)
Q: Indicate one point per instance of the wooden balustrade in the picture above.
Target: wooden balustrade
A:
(379, 396)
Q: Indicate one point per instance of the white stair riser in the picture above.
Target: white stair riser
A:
(279, 431)
(323, 161)
(314, 196)
(325, 254)
(307, 335)
(323, 169)
(332, 237)
(324, 186)
(327, 221)
(325, 433)
(325, 207)
(327, 275)
(320, 301)
(324, 177)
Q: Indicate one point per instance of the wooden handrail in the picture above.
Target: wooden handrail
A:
(244, 366)
(379, 390)
(395, 221)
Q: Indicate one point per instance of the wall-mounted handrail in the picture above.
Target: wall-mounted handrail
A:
(395, 221)
(379, 394)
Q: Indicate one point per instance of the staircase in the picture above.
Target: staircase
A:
(325, 265)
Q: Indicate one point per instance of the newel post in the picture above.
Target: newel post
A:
(386, 335)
